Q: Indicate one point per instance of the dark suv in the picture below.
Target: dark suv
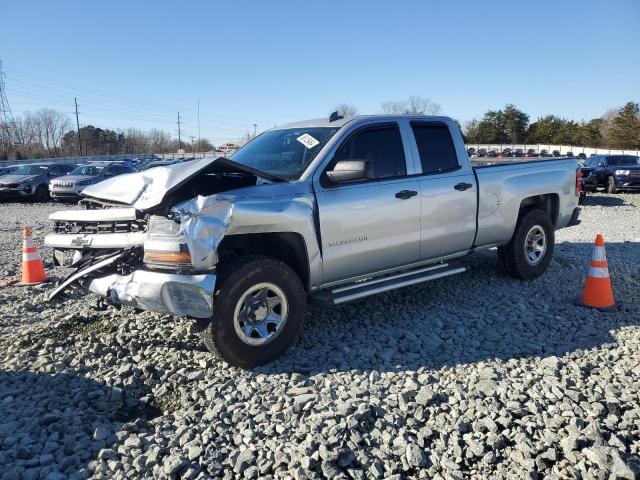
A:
(613, 172)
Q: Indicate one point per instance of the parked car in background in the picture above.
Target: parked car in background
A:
(505, 153)
(556, 153)
(7, 169)
(482, 152)
(531, 153)
(492, 154)
(71, 185)
(544, 153)
(613, 172)
(331, 210)
(31, 180)
(568, 154)
(471, 152)
(581, 157)
(516, 153)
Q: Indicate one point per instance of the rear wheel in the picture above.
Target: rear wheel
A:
(530, 250)
(611, 185)
(259, 310)
(42, 193)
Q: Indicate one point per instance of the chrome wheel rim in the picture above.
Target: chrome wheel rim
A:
(535, 245)
(260, 314)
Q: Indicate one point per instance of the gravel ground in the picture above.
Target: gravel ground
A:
(476, 375)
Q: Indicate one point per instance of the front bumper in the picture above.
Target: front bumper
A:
(627, 182)
(6, 192)
(65, 192)
(182, 295)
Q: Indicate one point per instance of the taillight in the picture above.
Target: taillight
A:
(578, 181)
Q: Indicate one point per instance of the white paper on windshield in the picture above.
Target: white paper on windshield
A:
(307, 140)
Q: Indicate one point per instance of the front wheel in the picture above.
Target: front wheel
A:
(530, 250)
(611, 185)
(258, 311)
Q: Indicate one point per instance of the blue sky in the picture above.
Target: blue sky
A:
(136, 63)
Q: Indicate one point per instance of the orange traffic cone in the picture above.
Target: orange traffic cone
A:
(32, 266)
(597, 291)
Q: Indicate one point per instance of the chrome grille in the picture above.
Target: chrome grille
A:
(118, 226)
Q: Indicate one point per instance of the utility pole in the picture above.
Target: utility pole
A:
(179, 133)
(192, 139)
(255, 126)
(78, 126)
(198, 125)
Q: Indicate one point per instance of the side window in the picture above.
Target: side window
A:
(382, 146)
(435, 146)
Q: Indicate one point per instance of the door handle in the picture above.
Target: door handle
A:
(404, 194)
(462, 186)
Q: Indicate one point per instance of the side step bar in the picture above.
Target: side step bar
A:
(357, 290)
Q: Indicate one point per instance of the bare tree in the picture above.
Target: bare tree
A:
(393, 107)
(160, 141)
(414, 105)
(346, 110)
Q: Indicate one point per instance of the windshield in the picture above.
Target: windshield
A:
(284, 153)
(31, 170)
(616, 161)
(87, 170)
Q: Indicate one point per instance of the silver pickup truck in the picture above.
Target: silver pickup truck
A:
(328, 210)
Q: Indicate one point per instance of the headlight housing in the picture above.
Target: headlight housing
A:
(622, 172)
(165, 245)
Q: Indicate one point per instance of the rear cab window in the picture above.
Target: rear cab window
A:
(435, 147)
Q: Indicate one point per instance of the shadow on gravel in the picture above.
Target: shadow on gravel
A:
(603, 201)
(480, 315)
(55, 423)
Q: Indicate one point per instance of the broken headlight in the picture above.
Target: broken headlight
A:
(165, 245)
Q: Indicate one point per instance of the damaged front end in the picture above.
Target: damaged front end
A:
(157, 258)
(116, 257)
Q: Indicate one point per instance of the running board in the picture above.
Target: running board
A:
(357, 290)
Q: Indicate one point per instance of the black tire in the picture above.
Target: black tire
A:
(611, 186)
(512, 258)
(219, 335)
(41, 194)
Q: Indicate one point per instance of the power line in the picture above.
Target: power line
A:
(38, 80)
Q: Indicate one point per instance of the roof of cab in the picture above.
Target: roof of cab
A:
(325, 122)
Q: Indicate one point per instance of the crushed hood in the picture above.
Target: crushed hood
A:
(147, 189)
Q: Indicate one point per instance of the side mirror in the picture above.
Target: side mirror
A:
(350, 171)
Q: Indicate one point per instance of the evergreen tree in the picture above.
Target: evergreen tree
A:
(625, 127)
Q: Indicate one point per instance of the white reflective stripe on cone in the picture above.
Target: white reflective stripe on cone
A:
(599, 272)
(28, 243)
(28, 257)
(599, 255)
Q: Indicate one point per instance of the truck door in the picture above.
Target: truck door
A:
(448, 192)
(372, 224)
